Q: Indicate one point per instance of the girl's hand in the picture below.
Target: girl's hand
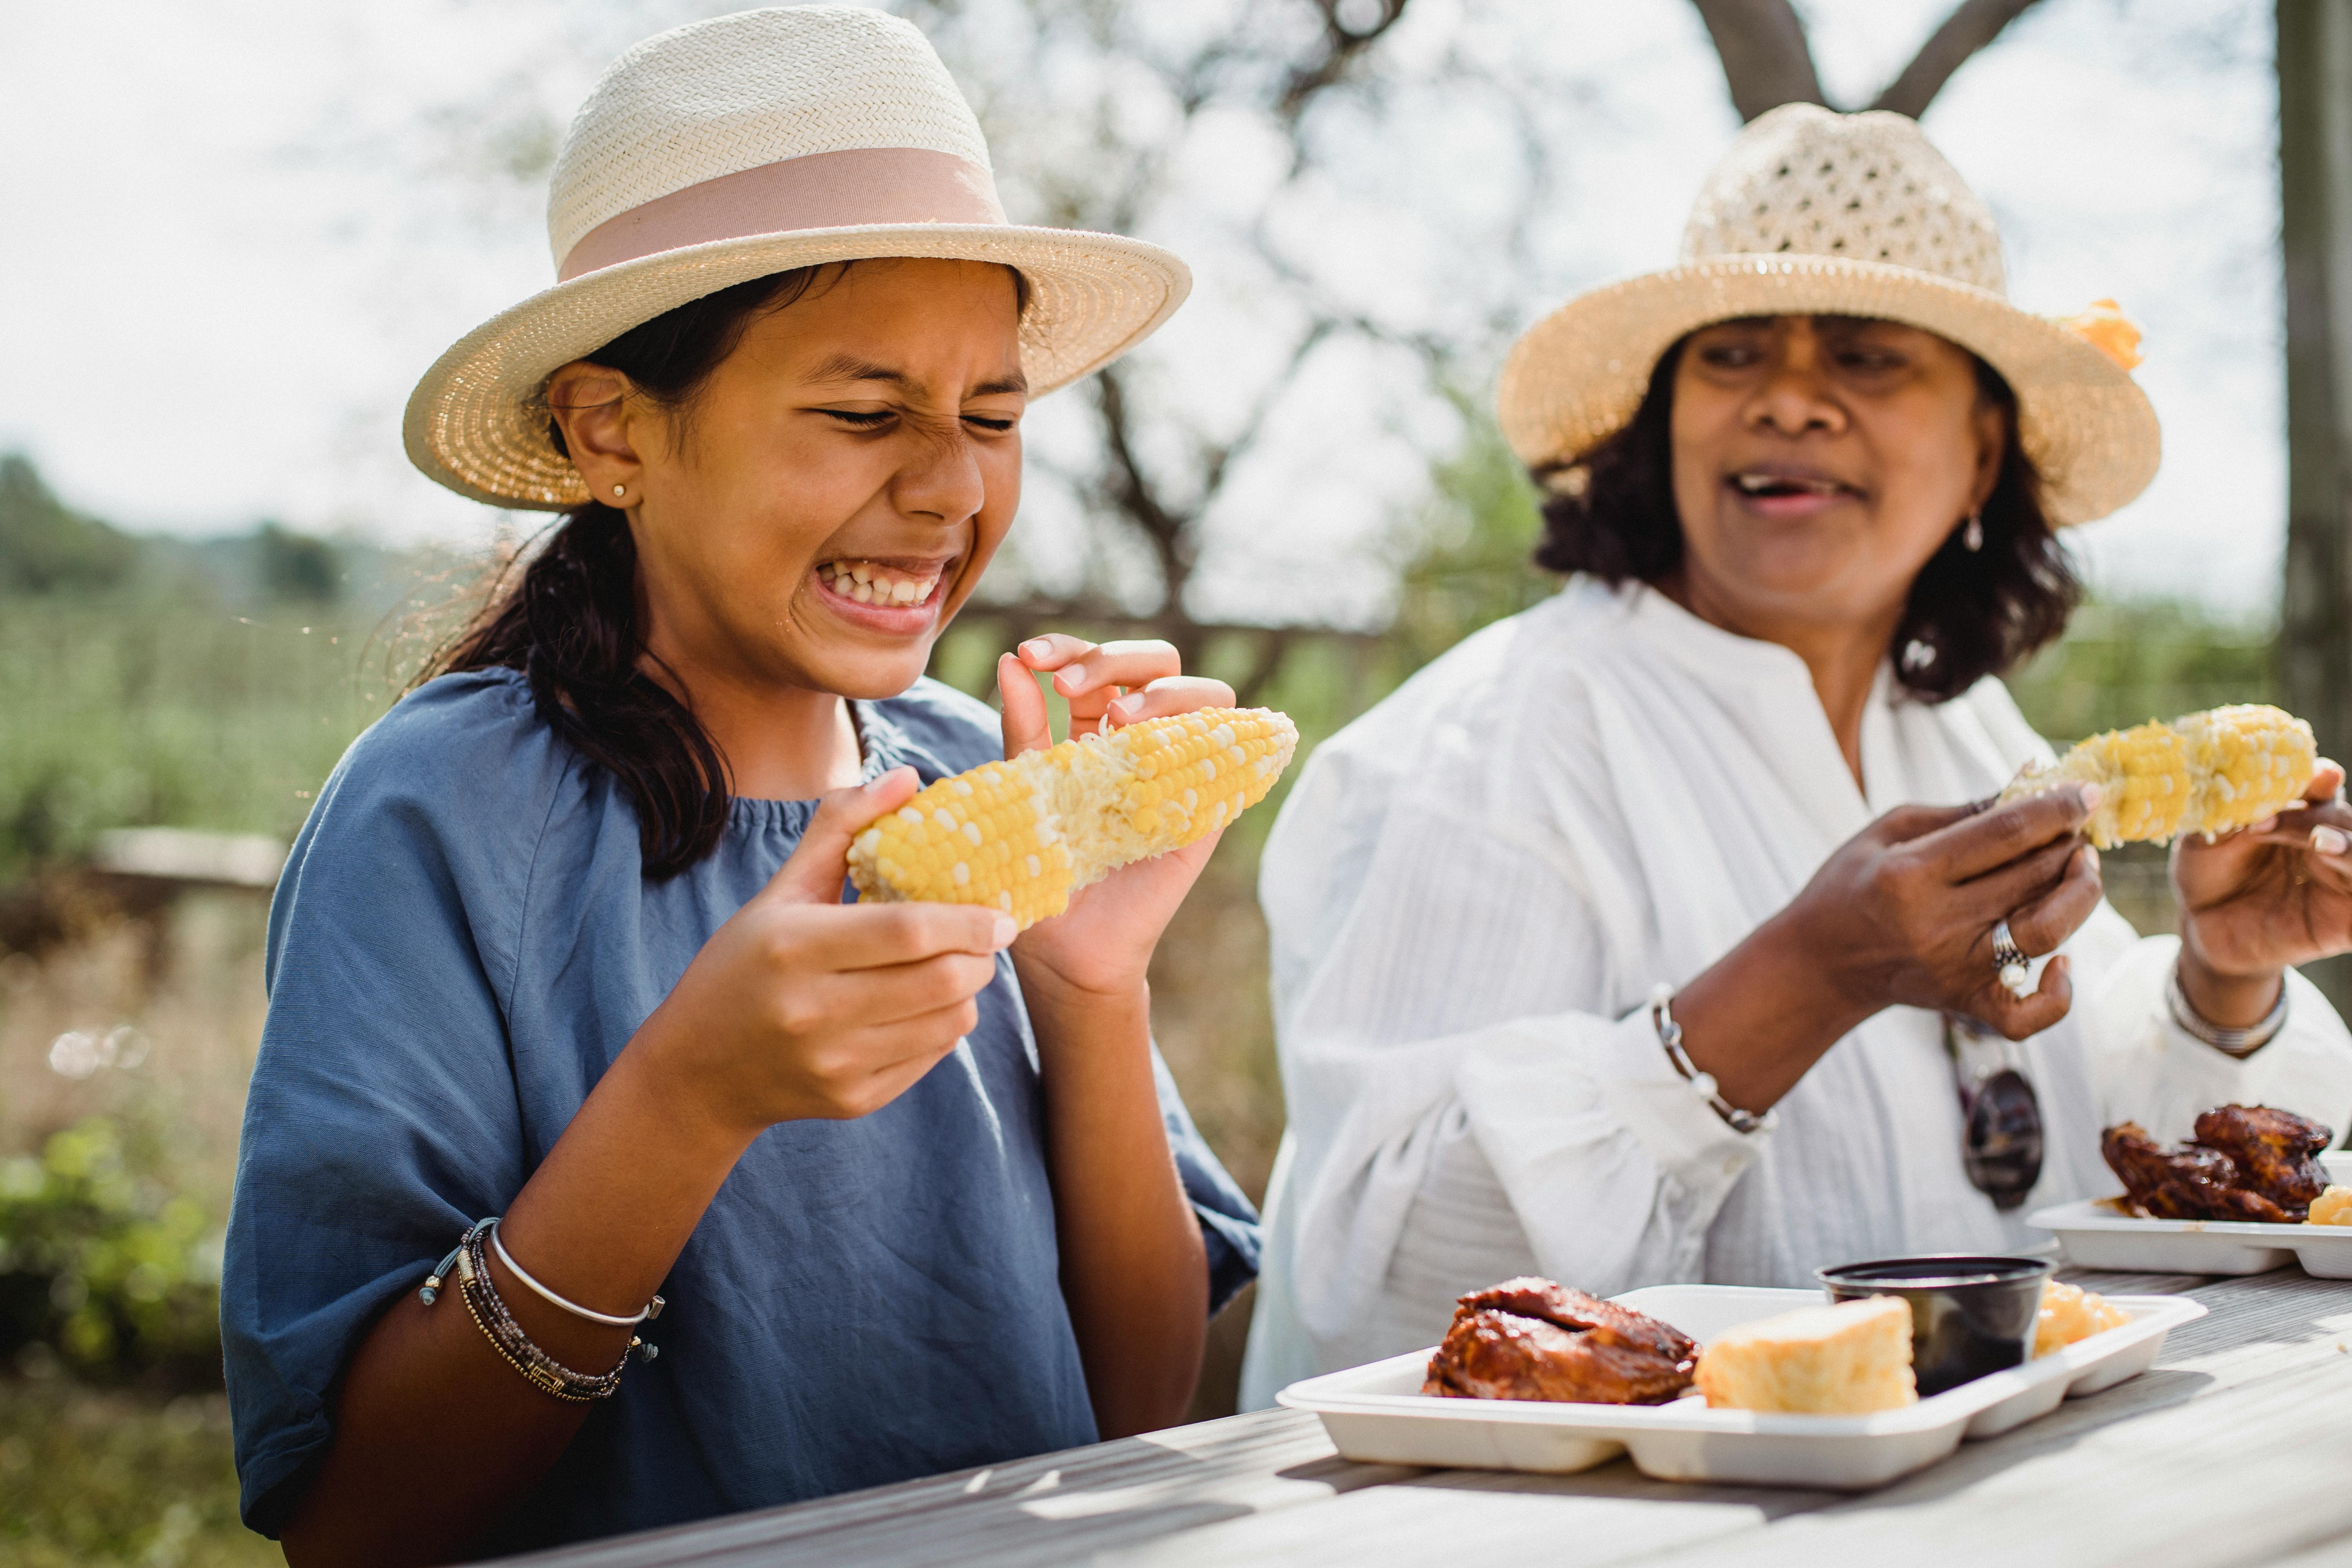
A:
(1902, 913)
(1103, 944)
(2279, 892)
(801, 1007)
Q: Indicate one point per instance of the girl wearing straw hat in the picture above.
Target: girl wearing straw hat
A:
(755, 1196)
(1614, 946)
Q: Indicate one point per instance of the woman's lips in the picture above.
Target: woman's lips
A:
(1787, 499)
(838, 589)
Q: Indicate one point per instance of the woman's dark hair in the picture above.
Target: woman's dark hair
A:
(568, 621)
(1610, 512)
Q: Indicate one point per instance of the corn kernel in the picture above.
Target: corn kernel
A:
(1024, 835)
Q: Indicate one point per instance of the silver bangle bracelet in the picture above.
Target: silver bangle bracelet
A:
(650, 1311)
(2229, 1042)
(1670, 1035)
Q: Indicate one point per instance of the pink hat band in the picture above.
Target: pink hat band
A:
(863, 185)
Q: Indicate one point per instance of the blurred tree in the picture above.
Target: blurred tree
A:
(45, 547)
(1767, 60)
(1156, 473)
(1464, 560)
(298, 567)
(2314, 81)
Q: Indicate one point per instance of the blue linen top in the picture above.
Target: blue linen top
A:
(461, 942)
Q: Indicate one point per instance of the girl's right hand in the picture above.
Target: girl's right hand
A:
(801, 1007)
(1902, 913)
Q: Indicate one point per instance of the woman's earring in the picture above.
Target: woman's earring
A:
(1972, 534)
(623, 490)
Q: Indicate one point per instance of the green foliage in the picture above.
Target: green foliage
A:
(101, 1478)
(2126, 663)
(1466, 556)
(47, 548)
(297, 568)
(170, 714)
(103, 1265)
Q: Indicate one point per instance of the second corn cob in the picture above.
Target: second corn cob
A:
(1024, 833)
(2209, 772)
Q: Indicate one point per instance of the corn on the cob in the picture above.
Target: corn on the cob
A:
(2210, 773)
(1023, 834)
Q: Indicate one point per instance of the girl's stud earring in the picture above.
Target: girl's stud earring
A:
(620, 490)
(1972, 534)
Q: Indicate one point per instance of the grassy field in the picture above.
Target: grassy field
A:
(88, 1476)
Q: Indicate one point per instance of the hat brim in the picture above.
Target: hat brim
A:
(477, 421)
(1576, 377)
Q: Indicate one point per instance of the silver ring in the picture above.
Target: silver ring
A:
(2006, 954)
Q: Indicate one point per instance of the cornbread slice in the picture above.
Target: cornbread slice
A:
(2333, 1207)
(2069, 1313)
(1846, 1360)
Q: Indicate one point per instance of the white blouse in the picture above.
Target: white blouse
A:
(1471, 891)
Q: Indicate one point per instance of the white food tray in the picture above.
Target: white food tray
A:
(2337, 1164)
(2096, 1237)
(1378, 1414)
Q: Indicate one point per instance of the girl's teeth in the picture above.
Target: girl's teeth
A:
(874, 585)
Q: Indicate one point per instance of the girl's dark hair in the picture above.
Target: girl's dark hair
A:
(1610, 512)
(570, 621)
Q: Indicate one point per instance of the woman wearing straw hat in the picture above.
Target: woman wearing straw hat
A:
(1612, 947)
(563, 945)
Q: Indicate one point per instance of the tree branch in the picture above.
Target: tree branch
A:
(1126, 485)
(1971, 25)
(1766, 59)
(1342, 46)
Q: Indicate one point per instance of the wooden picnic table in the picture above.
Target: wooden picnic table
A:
(2235, 1448)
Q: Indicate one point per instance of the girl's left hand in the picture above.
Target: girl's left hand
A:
(2276, 893)
(1103, 944)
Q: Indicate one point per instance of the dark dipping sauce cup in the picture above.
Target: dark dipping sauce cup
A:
(1969, 1315)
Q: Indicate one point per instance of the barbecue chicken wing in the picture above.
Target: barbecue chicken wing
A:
(2246, 1162)
(1530, 1339)
(2273, 1150)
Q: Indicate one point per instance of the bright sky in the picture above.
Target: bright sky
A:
(236, 233)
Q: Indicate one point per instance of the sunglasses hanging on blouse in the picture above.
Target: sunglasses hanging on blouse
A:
(2000, 1119)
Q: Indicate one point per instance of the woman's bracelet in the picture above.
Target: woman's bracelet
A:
(488, 1310)
(1670, 1035)
(650, 1311)
(2229, 1042)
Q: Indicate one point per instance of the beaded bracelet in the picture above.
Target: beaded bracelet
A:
(488, 1310)
(1670, 1035)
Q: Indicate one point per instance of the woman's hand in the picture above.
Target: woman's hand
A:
(1902, 913)
(801, 1007)
(1103, 944)
(2255, 901)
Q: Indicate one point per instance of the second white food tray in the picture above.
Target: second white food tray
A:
(2097, 1236)
(1378, 1414)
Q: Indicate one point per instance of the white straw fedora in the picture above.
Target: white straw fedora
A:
(747, 145)
(1814, 213)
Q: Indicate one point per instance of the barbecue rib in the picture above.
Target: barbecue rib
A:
(2246, 1162)
(1530, 1339)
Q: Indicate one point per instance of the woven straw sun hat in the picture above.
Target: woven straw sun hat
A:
(1815, 213)
(747, 145)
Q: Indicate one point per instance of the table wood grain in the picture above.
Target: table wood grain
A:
(2235, 1448)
